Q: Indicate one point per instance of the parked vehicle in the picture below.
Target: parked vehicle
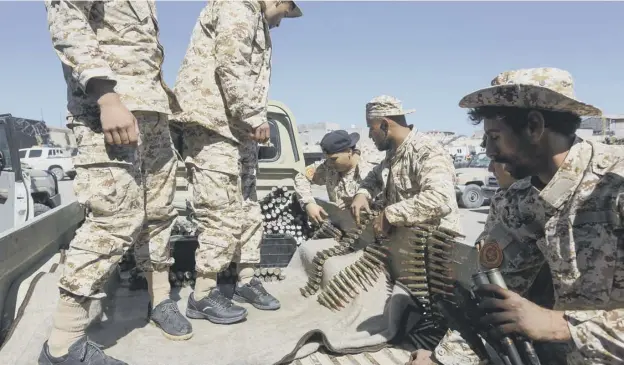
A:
(472, 182)
(54, 159)
(33, 247)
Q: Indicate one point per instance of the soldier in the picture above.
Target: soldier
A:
(342, 171)
(223, 88)
(117, 107)
(416, 177)
(569, 206)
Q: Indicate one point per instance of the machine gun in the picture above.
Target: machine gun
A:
(462, 315)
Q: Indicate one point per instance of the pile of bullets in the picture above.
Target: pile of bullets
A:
(180, 279)
(429, 278)
(270, 274)
(344, 286)
(283, 215)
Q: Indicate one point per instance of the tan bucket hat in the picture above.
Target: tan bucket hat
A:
(385, 106)
(534, 88)
(295, 12)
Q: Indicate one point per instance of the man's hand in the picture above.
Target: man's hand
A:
(359, 202)
(118, 124)
(262, 133)
(511, 313)
(316, 213)
(421, 357)
(381, 226)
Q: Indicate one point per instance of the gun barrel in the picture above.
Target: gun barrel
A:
(495, 277)
(480, 278)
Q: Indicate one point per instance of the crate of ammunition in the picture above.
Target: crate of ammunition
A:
(276, 250)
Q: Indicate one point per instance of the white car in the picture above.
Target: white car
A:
(53, 159)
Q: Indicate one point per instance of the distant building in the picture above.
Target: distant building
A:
(604, 126)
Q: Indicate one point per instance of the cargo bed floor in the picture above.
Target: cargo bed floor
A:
(125, 334)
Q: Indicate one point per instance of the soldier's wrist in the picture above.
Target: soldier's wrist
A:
(99, 88)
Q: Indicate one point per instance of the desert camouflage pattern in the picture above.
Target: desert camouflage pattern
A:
(128, 193)
(385, 106)
(229, 224)
(521, 263)
(533, 88)
(340, 188)
(416, 182)
(580, 214)
(124, 49)
(223, 82)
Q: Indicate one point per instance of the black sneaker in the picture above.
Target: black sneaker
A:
(167, 317)
(216, 308)
(255, 294)
(82, 352)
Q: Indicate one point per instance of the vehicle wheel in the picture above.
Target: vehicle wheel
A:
(472, 197)
(58, 172)
(41, 208)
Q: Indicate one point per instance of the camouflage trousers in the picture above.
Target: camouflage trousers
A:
(222, 179)
(128, 194)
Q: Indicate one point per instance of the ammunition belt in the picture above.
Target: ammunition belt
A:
(429, 279)
(345, 283)
(327, 230)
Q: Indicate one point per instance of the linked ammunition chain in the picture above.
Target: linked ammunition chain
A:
(427, 273)
(270, 274)
(345, 284)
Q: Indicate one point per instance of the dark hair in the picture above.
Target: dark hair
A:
(398, 119)
(564, 123)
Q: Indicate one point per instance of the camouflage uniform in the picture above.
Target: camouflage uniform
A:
(340, 188)
(576, 221)
(127, 191)
(414, 183)
(416, 179)
(223, 88)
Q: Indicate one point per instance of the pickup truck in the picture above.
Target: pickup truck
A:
(474, 184)
(32, 254)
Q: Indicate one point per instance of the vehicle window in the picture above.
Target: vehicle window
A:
(480, 160)
(34, 153)
(4, 147)
(272, 153)
(283, 118)
(22, 153)
(74, 152)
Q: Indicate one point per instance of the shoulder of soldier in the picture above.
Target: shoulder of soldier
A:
(425, 144)
(253, 5)
(310, 170)
(607, 159)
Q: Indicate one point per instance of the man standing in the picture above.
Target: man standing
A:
(223, 89)
(118, 106)
(570, 206)
(416, 177)
(342, 171)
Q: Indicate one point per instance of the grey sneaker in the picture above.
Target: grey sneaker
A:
(167, 317)
(255, 294)
(82, 352)
(216, 308)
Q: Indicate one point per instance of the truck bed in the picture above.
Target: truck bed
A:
(120, 325)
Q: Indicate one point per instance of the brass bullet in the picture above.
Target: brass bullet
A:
(344, 277)
(345, 288)
(414, 270)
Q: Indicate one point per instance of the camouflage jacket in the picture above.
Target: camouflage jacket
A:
(340, 188)
(577, 222)
(416, 183)
(125, 49)
(223, 82)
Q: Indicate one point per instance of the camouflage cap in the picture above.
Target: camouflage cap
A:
(536, 88)
(295, 12)
(385, 106)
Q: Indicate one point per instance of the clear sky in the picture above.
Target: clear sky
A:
(339, 55)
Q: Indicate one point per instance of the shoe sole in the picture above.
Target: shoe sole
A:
(170, 336)
(193, 314)
(240, 299)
